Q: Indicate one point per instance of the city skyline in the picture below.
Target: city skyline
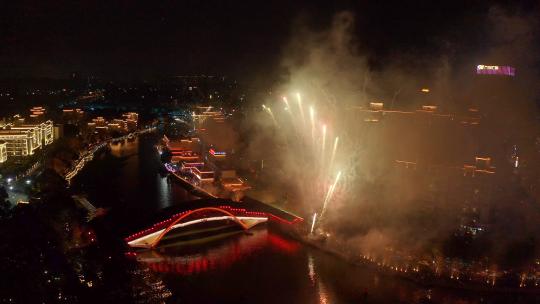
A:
(270, 152)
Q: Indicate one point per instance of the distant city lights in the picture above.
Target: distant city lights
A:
(217, 153)
(495, 70)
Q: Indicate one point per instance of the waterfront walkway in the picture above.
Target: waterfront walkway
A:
(88, 155)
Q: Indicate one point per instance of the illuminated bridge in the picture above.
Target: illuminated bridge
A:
(214, 257)
(245, 214)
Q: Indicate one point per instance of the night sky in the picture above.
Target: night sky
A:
(120, 39)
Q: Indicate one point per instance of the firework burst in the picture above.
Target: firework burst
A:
(308, 141)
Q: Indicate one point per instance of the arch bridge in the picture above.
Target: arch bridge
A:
(151, 237)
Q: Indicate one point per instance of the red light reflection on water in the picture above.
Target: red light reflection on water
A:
(283, 244)
(222, 256)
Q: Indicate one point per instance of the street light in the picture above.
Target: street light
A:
(9, 180)
(28, 182)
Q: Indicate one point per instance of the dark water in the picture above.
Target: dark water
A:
(262, 267)
(127, 180)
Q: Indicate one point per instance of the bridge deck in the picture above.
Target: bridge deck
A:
(248, 207)
(248, 204)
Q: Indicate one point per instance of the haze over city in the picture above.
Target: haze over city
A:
(269, 152)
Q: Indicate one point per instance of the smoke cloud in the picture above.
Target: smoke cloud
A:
(403, 187)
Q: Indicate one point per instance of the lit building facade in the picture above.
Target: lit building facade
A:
(98, 122)
(24, 139)
(128, 123)
(37, 114)
(3, 151)
(47, 131)
(44, 132)
(204, 114)
(35, 134)
(21, 142)
(203, 174)
(58, 131)
(131, 119)
(117, 125)
(72, 116)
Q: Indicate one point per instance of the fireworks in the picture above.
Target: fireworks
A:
(286, 101)
(319, 180)
(333, 157)
(269, 111)
(313, 222)
(330, 193)
(323, 141)
(301, 108)
(312, 119)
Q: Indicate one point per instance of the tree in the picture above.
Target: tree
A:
(5, 205)
(49, 182)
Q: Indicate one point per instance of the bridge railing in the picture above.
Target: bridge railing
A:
(239, 212)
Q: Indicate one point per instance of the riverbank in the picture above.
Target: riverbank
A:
(412, 273)
(253, 266)
(195, 190)
(456, 274)
(88, 155)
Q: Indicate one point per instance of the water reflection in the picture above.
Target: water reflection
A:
(128, 177)
(262, 267)
(321, 289)
(266, 267)
(164, 186)
(218, 255)
(311, 269)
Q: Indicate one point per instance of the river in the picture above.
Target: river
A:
(261, 267)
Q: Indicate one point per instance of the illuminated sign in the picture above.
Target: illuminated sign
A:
(217, 153)
(495, 70)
